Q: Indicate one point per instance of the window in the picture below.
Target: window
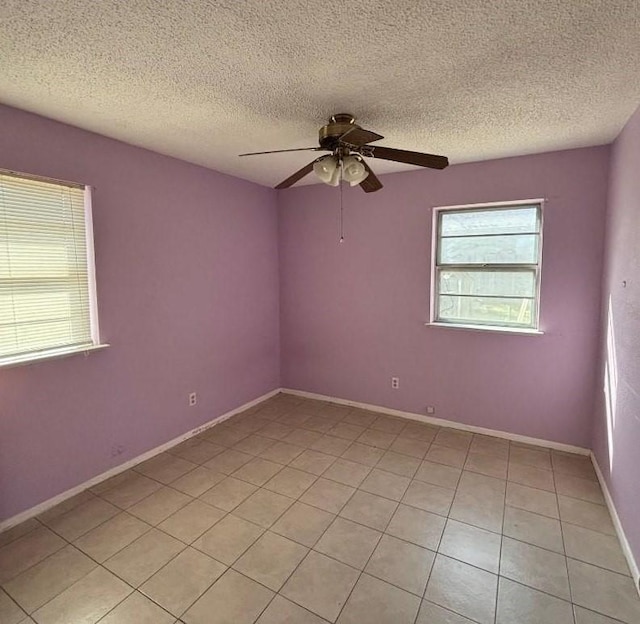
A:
(486, 270)
(47, 284)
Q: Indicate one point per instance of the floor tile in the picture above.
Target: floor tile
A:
(17, 531)
(144, 557)
(67, 505)
(347, 431)
(328, 495)
(517, 603)
(190, 522)
(533, 477)
(321, 585)
(282, 452)
(283, 611)
(320, 424)
(271, 560)
(586, 616)
(263, 507)
(86, 601)
(129, 492)
(453, 438)
(291, 482)
(223, 436)
(83, 518)
(197, 481)
(445, 455)
(375, 602)
(228, 539)
(138, 609)
(388, 424)
(183, 580)
(438, 474)
(10, 612)
(26, 551)
(587, 515)
(531, 499)
(533, 529)
(159, 505)
(403, 465)
(486, 465)
(363, 454)
(417, 526)
(472, 545)
(429, 497)
(348, 542)
(276, 431)
(535, 567)
(606, 592)
(39, 584)
(462, 588)
(253, 444)
(303, 524)
(313, 461)
(385, 484)
(258, 471)
(488, 445)
(576, 487)
(363, 418)
(347, 472)
(228, 494)
(595, 548)
(431, 613)
(197, 451)
(368, 509)
(538, 458)
(402, 564)
(331, 445)
(407, 446)
(303, 437)
(378, 439)
(165, 468)
(234, 598)
(419, 431)
(576, 465)
(228, 462)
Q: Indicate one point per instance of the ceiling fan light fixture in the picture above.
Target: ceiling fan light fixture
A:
(354, 170)
(328, 170)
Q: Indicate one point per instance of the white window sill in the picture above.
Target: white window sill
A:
(51, 354)
(521, 331)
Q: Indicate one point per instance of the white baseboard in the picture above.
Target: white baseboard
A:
(112, 472)
(624, 543)
(441, 422)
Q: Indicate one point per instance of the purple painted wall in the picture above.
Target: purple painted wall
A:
(616, 440)
(352, 314)
(188, 295)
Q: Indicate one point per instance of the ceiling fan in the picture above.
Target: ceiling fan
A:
(349, 146)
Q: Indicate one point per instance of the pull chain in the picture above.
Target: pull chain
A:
(341, 207)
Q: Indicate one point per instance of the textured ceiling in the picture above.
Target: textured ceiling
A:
(207, 80)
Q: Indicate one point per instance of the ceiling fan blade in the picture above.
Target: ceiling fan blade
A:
(404, 156)
(358, 137)
(371, 183)
(295, 149)
(298, 175)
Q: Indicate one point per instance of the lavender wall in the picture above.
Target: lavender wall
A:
(616, 440)
(188, 296)
(352, 315)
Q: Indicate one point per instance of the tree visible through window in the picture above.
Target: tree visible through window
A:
(487, 265)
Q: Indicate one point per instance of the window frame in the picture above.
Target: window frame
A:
(437, 211)
(19, 359)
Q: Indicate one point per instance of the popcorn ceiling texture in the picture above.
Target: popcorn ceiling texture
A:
(206, 80)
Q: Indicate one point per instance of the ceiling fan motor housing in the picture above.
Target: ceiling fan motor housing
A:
(339, 124)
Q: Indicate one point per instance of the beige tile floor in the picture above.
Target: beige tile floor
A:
(302, 512)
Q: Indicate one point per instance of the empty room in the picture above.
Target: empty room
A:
(319, 312)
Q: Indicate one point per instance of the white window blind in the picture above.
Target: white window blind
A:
(487, 266)
(46, 268)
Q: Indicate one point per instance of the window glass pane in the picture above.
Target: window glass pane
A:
(497, 221)
(487, 282)
(519, 249)
(486, 311)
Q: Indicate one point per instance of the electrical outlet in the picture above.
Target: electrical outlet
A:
(431, 409)
(193, 399)
(395, 382)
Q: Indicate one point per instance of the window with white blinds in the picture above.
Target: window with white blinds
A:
(47, 287)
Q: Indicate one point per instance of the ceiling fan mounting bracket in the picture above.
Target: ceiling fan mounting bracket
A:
(330, 134)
